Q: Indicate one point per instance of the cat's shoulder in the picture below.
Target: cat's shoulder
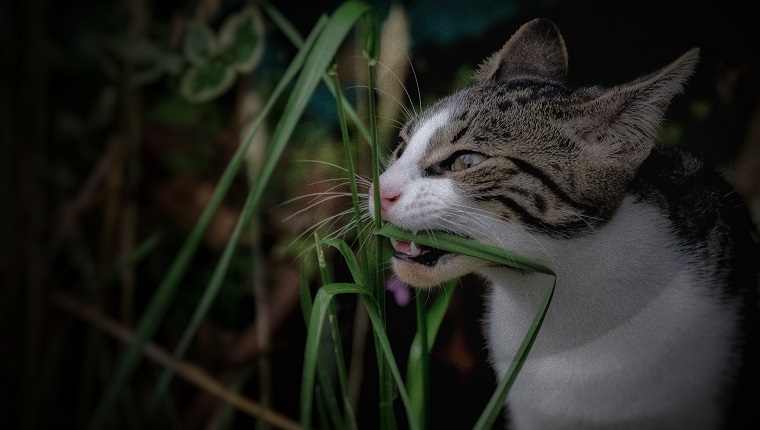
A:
(706, 211)
(670, 178)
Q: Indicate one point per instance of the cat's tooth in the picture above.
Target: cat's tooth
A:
(394, 243)
(414, 250)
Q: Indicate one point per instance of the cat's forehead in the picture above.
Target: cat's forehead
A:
(482, 116)
(490, 100)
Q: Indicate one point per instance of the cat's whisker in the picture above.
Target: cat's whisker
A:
(405, 110)
(402, 84)
(359, 178)
(490, 216)
(350, 225)
(367, 237)
(416, 82)
(314, 196)
(344, 180)
(322, 223)
(336, 233)
(330, 196)
(398, 125)
(326, 163)
(319, 225)
(582, 217)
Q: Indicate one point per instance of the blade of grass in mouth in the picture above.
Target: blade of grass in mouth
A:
(460, 245)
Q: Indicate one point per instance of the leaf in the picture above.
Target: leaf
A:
(148, 61)
(203, 82)
(241, 39)
(199, 44)
(172, 63)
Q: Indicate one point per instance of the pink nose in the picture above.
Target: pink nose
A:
(388, 197)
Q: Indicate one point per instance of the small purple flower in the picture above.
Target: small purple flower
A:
(401, 292)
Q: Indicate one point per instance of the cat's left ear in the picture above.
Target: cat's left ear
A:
(621, 123)
(535, 52)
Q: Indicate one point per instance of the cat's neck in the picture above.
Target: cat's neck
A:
(627, 269)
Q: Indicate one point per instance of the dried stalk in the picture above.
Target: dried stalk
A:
(189, 371)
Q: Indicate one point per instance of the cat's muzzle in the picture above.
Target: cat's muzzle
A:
(416, 253)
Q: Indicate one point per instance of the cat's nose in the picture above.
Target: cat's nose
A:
(388, 197)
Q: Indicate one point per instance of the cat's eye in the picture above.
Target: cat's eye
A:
(465, 161)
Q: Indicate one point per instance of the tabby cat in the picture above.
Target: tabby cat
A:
(654, 322)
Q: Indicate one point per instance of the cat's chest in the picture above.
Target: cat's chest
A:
(630, 310)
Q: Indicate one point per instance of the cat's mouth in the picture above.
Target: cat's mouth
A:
(417, 253)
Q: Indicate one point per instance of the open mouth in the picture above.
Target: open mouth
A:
(416, 253)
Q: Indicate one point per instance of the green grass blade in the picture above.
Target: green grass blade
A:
(348, 255)
(371, 27)
(306, 300)
(311, 354)
(416, 368)
(321, 262)
(212, 289)
(328, 395)
(348, 150)
(459, 245)
(496, 403)
(383, 343)
(140, 252)
(348, 420)
(422, 371)
(316, 324)
(327, 44)
(292, 34)
(207, 299)
(322, 414)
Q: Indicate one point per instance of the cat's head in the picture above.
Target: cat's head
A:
(519, 157)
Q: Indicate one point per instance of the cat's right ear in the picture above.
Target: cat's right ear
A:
(621, 123)
(536, 52)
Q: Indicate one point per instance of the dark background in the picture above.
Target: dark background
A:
(75, 198)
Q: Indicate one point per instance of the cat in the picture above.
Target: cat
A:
(654, 320)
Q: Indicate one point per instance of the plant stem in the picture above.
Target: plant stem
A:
(348, 417)
(371, 38)
(422, 331)
(360, 330)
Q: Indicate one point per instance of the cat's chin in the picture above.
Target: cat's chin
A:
(446, 268)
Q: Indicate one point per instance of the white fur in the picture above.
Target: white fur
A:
(417, 194)
(631, 339)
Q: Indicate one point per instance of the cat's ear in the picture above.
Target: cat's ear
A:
(536, 51)
(622, 122)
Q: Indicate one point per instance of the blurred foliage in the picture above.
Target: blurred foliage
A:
(215, 60)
